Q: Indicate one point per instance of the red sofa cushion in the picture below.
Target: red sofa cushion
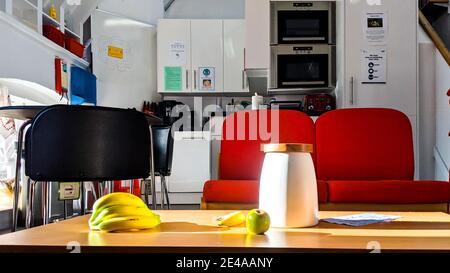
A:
(389, 192)
(244, 191)
(244, 132)
(364, 144)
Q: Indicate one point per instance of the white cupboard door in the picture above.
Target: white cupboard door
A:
(174, 56)
(235, 79)
(207, 55)
(257, 20)
(400, 43)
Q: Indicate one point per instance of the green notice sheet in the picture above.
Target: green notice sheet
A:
(173, 78)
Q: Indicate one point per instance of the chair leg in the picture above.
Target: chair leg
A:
(17, 178)
(166, 191)
(162, 192)
(82, 201)
(45, 203)
(30, 204)
(132, 186)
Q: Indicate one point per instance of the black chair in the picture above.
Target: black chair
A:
(163, 153)
(84, 143)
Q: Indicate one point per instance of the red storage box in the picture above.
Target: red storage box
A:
(75, 47)
(53, 34)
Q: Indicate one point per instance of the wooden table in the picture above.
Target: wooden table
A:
(194, 231)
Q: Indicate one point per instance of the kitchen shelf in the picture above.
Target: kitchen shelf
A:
(72, 33)
(47, 20)
(60, 51)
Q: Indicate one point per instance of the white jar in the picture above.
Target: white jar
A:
(288, 187)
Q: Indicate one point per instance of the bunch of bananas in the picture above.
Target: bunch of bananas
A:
(122, 212)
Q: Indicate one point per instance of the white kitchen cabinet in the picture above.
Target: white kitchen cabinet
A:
(400, 42)
(207, 54)
(206, 51)
(257, 20)
(235, 79)
(174, 55)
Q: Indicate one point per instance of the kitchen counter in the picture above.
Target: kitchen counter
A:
(194, 231)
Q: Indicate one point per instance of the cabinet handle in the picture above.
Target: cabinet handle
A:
(352, 90)
(187, 79)
(195, 79)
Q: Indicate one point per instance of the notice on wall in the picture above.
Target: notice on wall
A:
(375, 26)
(173, 78)
(373, 66)
(115, 52)
(177, 53)
(207, 78)
(69, 190)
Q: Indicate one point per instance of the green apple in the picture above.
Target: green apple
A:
(258, 221)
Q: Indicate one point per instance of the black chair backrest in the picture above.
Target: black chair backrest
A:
(85, 143)
(162, 149)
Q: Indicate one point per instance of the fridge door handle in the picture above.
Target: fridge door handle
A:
(195, 79)
(352, 90)
(243, 79)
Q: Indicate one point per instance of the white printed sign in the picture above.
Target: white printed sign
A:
(375, 26)
(373, 66)
(207, 78)
(177, 53)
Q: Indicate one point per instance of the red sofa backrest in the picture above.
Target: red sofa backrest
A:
(244, 132)
(364, 144)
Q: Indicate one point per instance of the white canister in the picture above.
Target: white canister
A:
(257, 101)
(288, 187)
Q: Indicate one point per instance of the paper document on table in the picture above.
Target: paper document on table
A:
(357, 220)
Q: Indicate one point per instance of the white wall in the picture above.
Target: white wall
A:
(427, 106)
(148, 11)
(207, 9)
(442, 79)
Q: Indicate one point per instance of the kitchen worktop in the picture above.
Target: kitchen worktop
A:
(194, 231)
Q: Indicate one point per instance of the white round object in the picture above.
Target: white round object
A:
(288, 190)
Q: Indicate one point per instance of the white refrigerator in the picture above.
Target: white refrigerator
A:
(124, 60)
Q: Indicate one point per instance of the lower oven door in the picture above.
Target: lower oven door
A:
(300, 67)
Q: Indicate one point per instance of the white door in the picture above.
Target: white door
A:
(207, 55)
(257, 17)
(235, 79)
(124, 60)
(174, 56)
(400, 44)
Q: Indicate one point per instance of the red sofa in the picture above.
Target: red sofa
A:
(364, 161)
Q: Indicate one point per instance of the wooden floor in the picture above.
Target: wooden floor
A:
(194, 231)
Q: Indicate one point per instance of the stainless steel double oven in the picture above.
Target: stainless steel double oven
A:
(303, 50)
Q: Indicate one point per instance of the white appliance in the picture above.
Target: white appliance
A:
(124, 60)
(201, 56)
(381, 58)
(190, 166)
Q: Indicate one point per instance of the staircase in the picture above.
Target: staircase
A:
(435, 19)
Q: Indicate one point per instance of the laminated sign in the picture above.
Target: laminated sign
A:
(373, 66)
(207, 78)
(173, 78)
(115, 52)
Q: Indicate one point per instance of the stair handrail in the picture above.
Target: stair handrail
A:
(434, 36)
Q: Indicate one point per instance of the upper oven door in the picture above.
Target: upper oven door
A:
(302, 67)
(296, 27)
(302, 22)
